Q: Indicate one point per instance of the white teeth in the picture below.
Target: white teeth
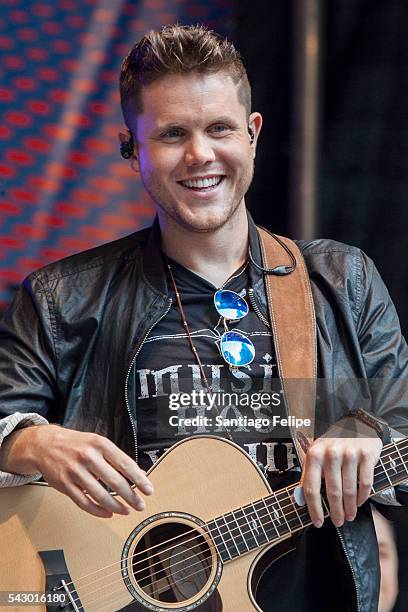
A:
(202, 183)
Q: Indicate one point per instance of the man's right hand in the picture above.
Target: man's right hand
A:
(72, 462)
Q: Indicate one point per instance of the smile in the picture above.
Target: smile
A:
(202, 184)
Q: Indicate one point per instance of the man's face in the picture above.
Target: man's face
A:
(193, 149)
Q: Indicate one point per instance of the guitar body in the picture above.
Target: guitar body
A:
(160, 559)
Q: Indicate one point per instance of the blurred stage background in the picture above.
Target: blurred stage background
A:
(329, 78)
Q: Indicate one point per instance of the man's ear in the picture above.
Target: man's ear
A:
(127, 148)
(124, 134)
(255, 123)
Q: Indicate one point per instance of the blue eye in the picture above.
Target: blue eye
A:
(219, 128)
(173, 133)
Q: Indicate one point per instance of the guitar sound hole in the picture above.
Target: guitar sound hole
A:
(172, 562)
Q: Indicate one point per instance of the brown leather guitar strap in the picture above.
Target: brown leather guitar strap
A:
(293, 323)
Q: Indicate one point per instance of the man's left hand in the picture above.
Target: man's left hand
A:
(347, 466)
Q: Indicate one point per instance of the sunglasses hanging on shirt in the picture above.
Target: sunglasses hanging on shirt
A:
(236, 349)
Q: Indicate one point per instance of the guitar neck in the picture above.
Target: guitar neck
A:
(392, 468)
(277, 516)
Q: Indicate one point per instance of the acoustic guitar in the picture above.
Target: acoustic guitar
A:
(199, 544)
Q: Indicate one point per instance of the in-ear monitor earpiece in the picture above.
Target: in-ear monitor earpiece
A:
(127, 148)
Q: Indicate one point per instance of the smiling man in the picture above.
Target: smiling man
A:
(195, 156)
(195, 161)
(97, 342)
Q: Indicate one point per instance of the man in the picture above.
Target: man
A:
(90, 337)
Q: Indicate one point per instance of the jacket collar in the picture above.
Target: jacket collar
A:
(153, 264)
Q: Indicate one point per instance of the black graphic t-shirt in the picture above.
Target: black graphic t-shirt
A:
(166, 367)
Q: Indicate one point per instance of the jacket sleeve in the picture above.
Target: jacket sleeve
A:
(385, 355)
(384, 351)
(27, 353)
(9, 424)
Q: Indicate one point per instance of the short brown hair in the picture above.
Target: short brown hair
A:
(178, 49)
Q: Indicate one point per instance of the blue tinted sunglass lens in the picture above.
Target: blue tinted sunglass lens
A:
(237, 349)
(230, 305)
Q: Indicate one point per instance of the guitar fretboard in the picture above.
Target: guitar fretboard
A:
(278, 515)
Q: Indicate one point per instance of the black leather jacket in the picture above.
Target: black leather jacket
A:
(69, 342)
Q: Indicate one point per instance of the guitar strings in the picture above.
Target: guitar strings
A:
(159, 591)
(189, 576)
(225, 541)
(120, 581)
(378, 468)
(193, 556)
(195, 573)
(200, 571)
(193, 531)
(77, 580)
(258, 502)
(287, 489)
(185, 577)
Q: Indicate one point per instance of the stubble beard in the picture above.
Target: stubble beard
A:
(187, 218)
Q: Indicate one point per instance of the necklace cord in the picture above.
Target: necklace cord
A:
(190, 339)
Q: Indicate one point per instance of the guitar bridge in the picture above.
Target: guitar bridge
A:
(58, 580)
